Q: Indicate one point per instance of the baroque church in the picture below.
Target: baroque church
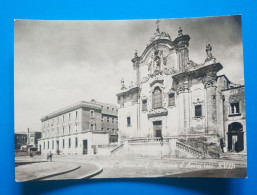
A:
(177, 107)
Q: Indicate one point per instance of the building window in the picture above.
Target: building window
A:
(76, 126)
(76, 114)
(63, 143)
(69, 142)
(91, 113)
(63, 130)
(112, 120)
(69, 116)
(102, 129)
(108, 119)
(107, 109)
(92, 126)
(48, 145)
(157, 98)
(53, 144)
(112, 109)
(102, 119)
(198, 110)
(76, 142)
(171, 99)
(108, 129)
(128, 121)
(144, 105)
(234, 108)
(63, 118)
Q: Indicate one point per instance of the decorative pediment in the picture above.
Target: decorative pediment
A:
(156, 81)
(157, 112)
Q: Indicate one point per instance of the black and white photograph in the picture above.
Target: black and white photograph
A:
(129, 99)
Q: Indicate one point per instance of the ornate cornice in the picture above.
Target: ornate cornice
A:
(199, 72)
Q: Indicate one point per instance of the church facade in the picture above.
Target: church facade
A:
(186, 107)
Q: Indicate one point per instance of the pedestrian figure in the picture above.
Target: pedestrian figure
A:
(50, 156)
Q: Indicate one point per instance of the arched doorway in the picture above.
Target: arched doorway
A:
(235, 137)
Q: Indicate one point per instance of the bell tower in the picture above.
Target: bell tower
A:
(181, 45)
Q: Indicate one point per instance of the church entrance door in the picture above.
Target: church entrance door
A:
(157, 128)
(235, 137)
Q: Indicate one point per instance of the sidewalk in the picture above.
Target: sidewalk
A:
(38, 171)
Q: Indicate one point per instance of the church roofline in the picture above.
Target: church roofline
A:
(241, 86)
(148, 48)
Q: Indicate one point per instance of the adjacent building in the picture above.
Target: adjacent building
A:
(82, 128)
(185, 107)
(20, 140)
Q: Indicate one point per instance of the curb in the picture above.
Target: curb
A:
(55, 174)
(90, 175)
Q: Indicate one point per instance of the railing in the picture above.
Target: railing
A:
(108, 146)
(150, 140)
(190, 150)
(115, 150)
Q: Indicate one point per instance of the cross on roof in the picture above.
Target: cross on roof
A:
(157, 22)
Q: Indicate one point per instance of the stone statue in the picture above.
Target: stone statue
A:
(180, 32)
(122, 84)
(208, 51)
(135, 54)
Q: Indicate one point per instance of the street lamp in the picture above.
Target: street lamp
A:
(161, 142)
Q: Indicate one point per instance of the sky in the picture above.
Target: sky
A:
(58, 63)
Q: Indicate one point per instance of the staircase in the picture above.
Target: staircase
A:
(189, 151)
(116, 150)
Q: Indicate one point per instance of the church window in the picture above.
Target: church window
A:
(92, 114)
(171, 99)
(144, 105)
(234, 108)
(198, 110)
(157, 98)
(128, 121)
